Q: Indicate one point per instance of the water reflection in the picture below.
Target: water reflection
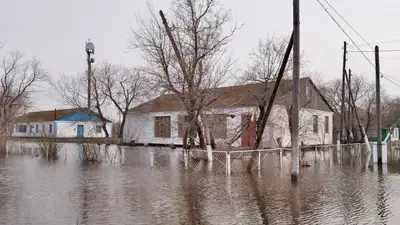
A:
(152, 186)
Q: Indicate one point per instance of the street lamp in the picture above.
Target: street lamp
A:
(89, 47)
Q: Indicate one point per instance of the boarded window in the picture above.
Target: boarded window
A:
(218, 125)
(183, 123)
(315, 124)
(326, 124)
(98, 128)
(162, 126)
(22, 128)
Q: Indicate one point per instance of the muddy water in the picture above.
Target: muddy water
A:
(156, 189)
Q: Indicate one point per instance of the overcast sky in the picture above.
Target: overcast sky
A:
(55, 32)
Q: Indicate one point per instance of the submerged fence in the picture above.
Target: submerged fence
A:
(249, 160)
(234, 161)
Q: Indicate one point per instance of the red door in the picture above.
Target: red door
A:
(249, 135)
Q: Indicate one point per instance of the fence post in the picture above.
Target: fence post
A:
(280, 158)
(259, 160)
(185, 158)
(228, 163)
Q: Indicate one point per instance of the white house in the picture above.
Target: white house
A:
(60, 123)
(162, 120)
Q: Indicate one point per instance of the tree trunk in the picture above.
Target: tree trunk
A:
(104, 126)
(202, 142)
(122, 125)
(185, 138)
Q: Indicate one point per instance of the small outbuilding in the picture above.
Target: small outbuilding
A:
(66, 123)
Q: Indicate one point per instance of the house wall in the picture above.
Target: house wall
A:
(60, 129)
(140, 127)
(69, 129)
(40, 132)
(307, 134)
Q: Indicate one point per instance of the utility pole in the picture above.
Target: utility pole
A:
(89, 47)
(378, 103)
(295, 90)
(350, 119)
(362, 130)
(343, 92)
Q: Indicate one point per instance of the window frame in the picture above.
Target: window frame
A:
(162, 126)
(218, 124)
(99, 128)
(22, 128)
(326, 125)
(315, 124)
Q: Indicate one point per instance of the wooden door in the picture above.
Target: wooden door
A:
(249, 135)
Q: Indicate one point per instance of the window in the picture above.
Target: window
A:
(50, 128)
(315, 124)
(22, 128)
(183, 122)
(31, 128)
(326, 124)
(37, 128)
(43, 128)
(98, 128)
(162, 126)
(218, 125)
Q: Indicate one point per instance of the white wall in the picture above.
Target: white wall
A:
(64, 129)
(306, 127)
(69, 129)
(40, 132)
(140, 127)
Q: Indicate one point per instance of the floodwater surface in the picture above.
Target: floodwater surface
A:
(158, 189)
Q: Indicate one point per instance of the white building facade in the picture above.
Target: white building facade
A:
(316, 121)
(64, 123)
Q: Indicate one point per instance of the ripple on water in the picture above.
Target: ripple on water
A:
(35, 191)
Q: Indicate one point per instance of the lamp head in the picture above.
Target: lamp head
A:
(89, 47)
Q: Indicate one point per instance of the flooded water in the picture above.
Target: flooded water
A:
(157, 189)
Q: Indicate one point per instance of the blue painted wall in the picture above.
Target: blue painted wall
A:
(81, 117)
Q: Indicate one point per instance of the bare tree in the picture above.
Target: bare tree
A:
(73, 91)
(187, 54)
(364, 97)
(18, 79)
(122, 86)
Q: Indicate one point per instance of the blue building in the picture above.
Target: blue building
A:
(69, 123)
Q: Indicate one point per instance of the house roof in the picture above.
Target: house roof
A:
(51, 115)
(226, 97)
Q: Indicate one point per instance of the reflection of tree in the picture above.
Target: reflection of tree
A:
(260, 199)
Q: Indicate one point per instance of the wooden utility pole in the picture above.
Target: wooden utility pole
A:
(350, 119)
(295, 90)
(260, 132)
(362, 130)
(378, 104)
(342, 115)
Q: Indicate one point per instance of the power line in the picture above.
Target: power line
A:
(384, 50)
(394, 41)
(348, 36)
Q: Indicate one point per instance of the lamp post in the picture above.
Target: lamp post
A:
(89, 47)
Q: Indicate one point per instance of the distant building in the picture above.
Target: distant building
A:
(60, 123)
(163, 120)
